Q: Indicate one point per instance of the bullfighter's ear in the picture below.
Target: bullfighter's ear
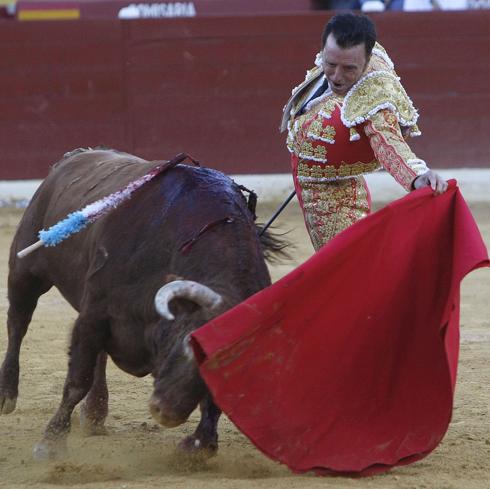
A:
(170, 277)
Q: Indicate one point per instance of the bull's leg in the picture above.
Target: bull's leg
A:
(87, 342)
(204, 441)
(93, 410)
(23, 293)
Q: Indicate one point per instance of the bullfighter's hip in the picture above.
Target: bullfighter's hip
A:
(330, 207)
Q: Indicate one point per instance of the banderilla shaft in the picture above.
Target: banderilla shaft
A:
(279, 210)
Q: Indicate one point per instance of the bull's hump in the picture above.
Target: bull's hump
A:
(91, 175)
(209, 176)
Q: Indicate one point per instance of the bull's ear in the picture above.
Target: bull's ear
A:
(251, 201)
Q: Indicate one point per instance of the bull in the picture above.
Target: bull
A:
(185, 242)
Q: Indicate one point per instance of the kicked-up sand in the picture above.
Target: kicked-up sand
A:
(137, 453)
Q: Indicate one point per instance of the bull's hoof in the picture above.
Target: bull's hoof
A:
(7, 403)
(49, 450)
(196, 448)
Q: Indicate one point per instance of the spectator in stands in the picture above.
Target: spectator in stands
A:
(407, 5)
(347, 119)
(364, 5)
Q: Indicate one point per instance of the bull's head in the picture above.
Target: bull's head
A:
(178, 385)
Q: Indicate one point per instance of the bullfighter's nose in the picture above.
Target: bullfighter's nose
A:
(163, 416)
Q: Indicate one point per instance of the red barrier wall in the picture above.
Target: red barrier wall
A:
(215, 87)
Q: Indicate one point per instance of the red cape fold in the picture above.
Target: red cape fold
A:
(348, 363)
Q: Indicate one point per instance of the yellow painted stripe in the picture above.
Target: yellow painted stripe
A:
(49, 14)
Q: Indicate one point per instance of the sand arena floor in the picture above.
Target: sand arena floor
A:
(139, 454)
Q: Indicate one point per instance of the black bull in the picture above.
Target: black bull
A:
(189, 229)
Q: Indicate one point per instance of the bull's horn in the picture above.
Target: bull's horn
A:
(186, 289)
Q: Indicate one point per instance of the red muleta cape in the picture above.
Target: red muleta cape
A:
(348, 363)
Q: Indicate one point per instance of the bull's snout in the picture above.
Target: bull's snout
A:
(163, 415)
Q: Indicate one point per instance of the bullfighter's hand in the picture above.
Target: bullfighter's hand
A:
(437, 183)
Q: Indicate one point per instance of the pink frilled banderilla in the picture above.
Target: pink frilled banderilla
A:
(78, 220)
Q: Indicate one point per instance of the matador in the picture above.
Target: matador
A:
(350, 116)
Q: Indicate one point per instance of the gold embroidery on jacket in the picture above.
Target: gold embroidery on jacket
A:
(317, 131)
(354, 135)
(328, 105)
(305, 143)
(379, 101)
(376, 91)
(330, 172)
(391, 150)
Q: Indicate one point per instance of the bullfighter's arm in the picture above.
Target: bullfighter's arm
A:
(391, 149)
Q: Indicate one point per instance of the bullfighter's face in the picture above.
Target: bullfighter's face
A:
(343, 67)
